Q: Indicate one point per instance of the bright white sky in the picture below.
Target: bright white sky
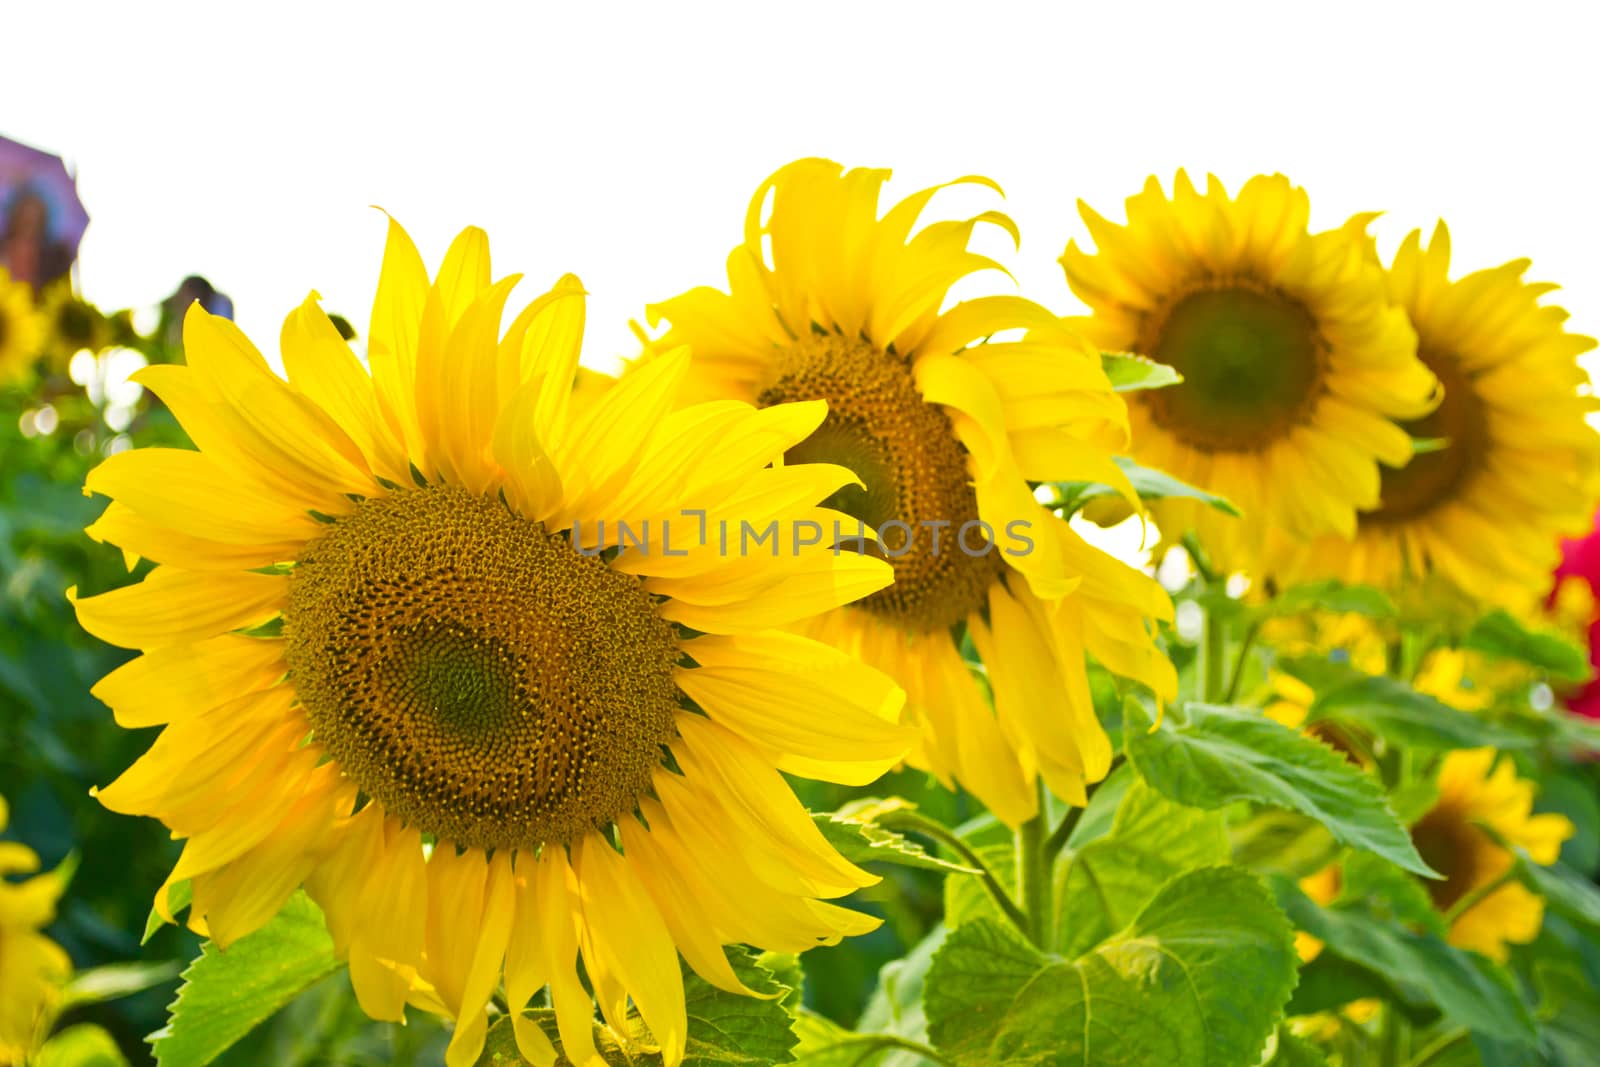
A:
(622, 141)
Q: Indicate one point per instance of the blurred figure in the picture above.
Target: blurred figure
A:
(41, 218)
(192, 289)
(27, 250)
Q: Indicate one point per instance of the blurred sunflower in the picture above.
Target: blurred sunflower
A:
(1517, 464)
(1488, 909)
(398, 661)
(20, 330)
(32, 967)
(946, 426)
(71, 323)
(1294, 359)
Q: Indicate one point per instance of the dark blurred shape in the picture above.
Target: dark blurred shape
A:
(191, 290)
(41, 218)
(342, 324)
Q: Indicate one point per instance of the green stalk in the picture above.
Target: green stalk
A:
(1242, 662)
(916, 823)
(1465, 904)
(1214, 646)
(1033, 876)
(1393, 1036)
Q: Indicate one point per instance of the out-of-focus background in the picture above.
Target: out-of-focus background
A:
(622, 141)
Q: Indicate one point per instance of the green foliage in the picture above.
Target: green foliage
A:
(1500, 634)
(115, 980)
(1110, 880)
(1393, 710)
(1199, 976)
(1209, 757)
(226, 994)
(81, 1045)
(1332, 596)
(1292, 1051)
(1129, 372)
(178, 897)
(725, 1029)
(1148, 482)
(1565, 891)
(860, 834)
(1420, 969)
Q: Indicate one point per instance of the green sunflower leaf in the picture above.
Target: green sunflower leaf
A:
(1420, 969)
(860, 832)
(1200, 976)
(115, 980)
(1500, 634)
(725, 1029)
(1392, 709)
(824, 1043)
(1110, 880)
(1149, 483)
(81, 1045)
(1565, 891)
(1209, 756)
(1292, 1051)
(1332, 595)
(1129, 372)
(178, 897)
(227, 994)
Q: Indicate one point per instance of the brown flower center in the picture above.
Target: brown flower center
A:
(918, 494)
(1251, 359)
(1452, 846)
(1459, 424)
(475, 674)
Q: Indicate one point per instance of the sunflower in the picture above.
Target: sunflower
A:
(20, 333)
(32, 967)
(399, 661)
(1516, 464)
(1487, 908)
(71, 323)
(947, 427)
(1294, 359)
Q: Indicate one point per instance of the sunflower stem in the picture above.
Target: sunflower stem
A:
(1241, 663)
(1059, 836)
(880, 1042)
(1444, 1043)
(1214, 647)
(1470, 899)
(1033, 874)
(1393, 1036)
(916, 823)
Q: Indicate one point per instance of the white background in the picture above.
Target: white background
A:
(622, 142)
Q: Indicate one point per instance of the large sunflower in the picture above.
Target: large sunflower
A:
(397, 663)
(32, 967)
(20, 330)
(1473, 792)
(1517, 463)
(946, 427)
(1293, 357)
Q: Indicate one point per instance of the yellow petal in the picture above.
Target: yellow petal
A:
(483, 973)
(821, 713)
(392, 337)
(173, 607)
(184, 680)
(320, 364)
(626, 932)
